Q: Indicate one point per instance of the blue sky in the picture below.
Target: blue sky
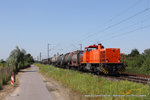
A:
(32, 24)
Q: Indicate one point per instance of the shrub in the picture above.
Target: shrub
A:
(139, 63)
(146, 65)
(136, 61)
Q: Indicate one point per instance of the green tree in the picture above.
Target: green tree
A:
(28, 59)
(18, 58)
(134, 53)
(147, 52)
(3, 63)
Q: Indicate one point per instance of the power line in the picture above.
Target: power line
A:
(114, 17)
(122, 21)
(126, 27)
(137, 29)
(118, 23)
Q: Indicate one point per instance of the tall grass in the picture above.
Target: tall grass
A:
(88, 84)
(5, 73)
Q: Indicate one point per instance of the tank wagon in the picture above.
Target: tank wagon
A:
(54, 60)
(59, 60)
(95, 58)
(46, 61)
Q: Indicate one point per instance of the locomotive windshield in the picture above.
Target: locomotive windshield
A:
(89, 49)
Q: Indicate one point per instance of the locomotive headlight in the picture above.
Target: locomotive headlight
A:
(119, 60)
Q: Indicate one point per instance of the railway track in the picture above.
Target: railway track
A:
(138, 78)
(144, 79)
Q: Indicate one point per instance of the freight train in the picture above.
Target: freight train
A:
(95, 58)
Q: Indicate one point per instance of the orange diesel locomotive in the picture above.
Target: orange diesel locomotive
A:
(97, 59)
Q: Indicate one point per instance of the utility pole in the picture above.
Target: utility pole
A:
(48, 51)
(40, 56)
(80, 46)
(37, 58)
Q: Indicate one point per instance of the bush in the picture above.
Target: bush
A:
(136, 61)
(146, 65)
(139, 63)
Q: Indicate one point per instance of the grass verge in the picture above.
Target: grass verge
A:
(98, 87)
(5, 73)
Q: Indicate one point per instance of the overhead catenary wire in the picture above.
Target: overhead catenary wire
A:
(122, 21)
(125, 33)
(112, 33)
(111, 19)
(118, 23)
(85, 36)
